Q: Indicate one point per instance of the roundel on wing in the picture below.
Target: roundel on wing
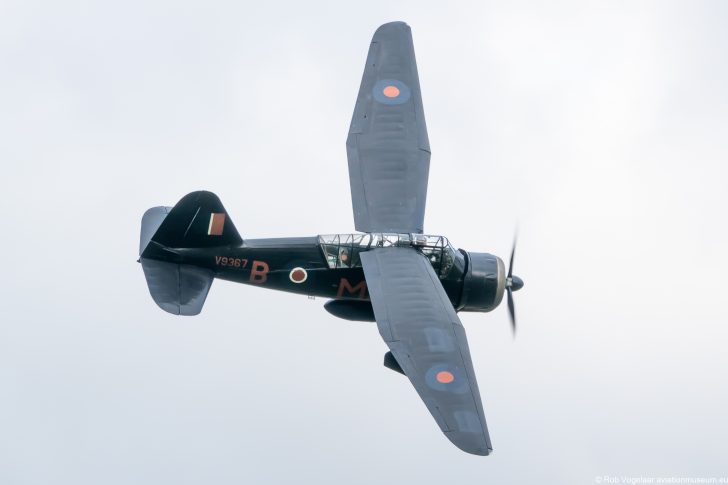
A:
(391, 91)
(447, 378)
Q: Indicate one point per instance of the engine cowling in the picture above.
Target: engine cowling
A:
(484, 283)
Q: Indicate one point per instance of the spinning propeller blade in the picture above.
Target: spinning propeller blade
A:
(513, 283)
(512, 311)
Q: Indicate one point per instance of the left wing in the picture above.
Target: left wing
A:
(420, 326)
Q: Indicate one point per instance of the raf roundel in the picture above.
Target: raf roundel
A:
(447, 378)
(298, 275)
(391, 91)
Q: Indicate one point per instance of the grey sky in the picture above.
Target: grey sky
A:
(599, 127)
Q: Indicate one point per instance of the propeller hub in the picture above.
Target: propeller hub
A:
(516, 283)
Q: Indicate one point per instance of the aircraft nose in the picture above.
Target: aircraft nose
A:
(516, 283)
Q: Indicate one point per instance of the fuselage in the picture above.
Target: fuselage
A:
(329, 266)
(294, 264)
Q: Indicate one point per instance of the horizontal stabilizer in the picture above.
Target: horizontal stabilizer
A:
(151, 220)
(179, 289)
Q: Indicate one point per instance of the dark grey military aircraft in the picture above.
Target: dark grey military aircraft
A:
(410, 283)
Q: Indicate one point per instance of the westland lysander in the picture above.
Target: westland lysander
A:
(410, 283)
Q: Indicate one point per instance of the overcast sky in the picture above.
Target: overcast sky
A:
(599, 128)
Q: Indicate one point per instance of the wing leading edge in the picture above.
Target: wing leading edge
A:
(420, 326)
(387, 146)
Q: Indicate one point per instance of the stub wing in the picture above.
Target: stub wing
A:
(420, 326)
(387, 146)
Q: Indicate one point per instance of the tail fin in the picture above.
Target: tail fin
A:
(199, 220)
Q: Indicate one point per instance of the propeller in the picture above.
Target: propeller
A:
(513, 283)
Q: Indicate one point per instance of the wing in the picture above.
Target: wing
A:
(420, 326)
(387, 147)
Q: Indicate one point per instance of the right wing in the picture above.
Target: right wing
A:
(420, 326)
(387, 147)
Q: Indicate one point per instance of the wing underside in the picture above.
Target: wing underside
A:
(387, 146)
(420, 326)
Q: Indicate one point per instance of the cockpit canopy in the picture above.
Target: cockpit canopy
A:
(343, 250)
